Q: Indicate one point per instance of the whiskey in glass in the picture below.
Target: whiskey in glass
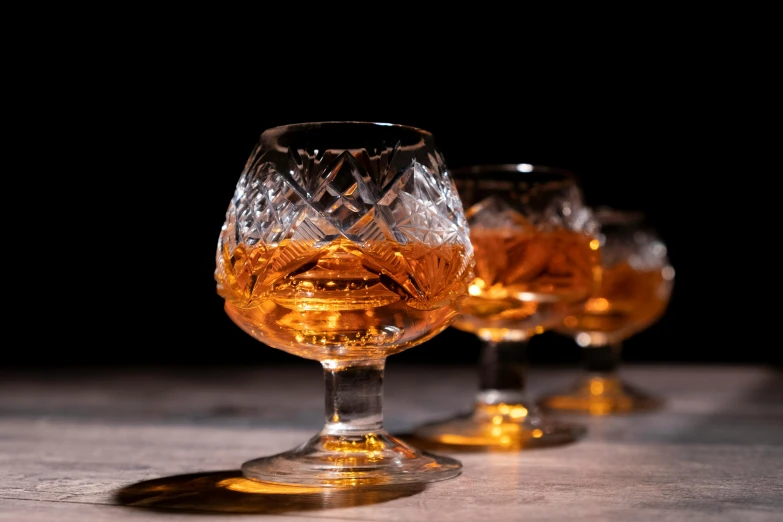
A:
(537, 257)
(636, 286)
(344, 243)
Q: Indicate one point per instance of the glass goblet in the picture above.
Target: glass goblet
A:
(344, 243)
(536, 255)
(636, 286)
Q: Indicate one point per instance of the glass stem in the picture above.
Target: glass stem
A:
(603, 360)
(502, 372)
(354, 398)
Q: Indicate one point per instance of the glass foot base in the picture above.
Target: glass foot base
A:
(501, 427)
(365, 459)
(600, 395)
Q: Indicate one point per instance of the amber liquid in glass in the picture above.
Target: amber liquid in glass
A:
(628, 301)
(340, 301)
(526, 281)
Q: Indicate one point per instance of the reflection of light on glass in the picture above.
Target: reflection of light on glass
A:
(504, 409)
(474, 290)
(355, 451)
(501, 334)
(597, 304)
(526, 296)
(505, 439)
(583, 339)
(497, 431)
(596, 387)
(332, 321)
(539, 329)
(524, 167)
(497, 292)
(595, 244)
(518, 412)
(537, 433)
(497, 420)
(668, 273)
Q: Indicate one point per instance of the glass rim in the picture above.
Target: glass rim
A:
(280, 129)
(609, 215)
(523, 168)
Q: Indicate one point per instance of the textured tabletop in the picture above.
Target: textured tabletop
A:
(166, 444)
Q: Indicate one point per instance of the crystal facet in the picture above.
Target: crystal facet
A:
(313, 197)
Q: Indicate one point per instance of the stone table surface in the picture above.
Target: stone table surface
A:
(115, 444)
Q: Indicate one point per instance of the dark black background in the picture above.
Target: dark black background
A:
(148, 173)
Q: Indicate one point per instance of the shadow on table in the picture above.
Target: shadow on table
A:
(230, 492)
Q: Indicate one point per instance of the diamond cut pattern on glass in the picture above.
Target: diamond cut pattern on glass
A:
(493, 212)
(327, 195)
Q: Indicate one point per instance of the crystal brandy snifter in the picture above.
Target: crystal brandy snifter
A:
(635, 289)
(344, 243)
(536, 256)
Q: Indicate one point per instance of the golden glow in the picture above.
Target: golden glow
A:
(368, 444)
(336, 302)
(510, 434)
(518, 412)
(595, 244)
(599, 408)
(497, 420)
(601, 396)
(597, 304)
(629, 300)
(496, 292)
(539, 329)
(504, 409)
(243, 485)
(496, 334)
(333, 320)
(523, 279)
